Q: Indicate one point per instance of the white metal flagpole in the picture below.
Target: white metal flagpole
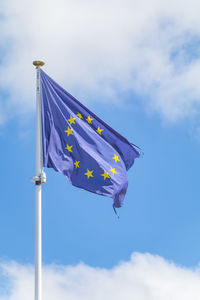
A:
(38, 179)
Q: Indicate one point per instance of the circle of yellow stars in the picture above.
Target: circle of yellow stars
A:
(99, 130)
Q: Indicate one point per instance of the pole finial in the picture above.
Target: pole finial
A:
(38, 63)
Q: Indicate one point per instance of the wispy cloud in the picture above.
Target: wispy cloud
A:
(143, 277)
(104, 48)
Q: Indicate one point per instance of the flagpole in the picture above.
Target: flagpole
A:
(38, 180)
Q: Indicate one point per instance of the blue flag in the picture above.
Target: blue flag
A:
(81, 146)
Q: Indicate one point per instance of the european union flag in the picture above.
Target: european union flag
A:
(81, 146)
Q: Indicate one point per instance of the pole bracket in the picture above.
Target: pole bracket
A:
(39, 179)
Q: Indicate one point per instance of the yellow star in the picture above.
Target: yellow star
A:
(116, 158)
(77, 164)
(113, 170)
(89, 173)
(99, 130)
(79, 115)
(89, 120)
(71, 120)
(105, 175)
(69, 148)
(69, 131)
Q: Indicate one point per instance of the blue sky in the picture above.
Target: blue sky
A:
(142, 81)
(160, 214)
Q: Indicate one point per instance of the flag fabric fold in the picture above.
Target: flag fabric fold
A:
(81, 146)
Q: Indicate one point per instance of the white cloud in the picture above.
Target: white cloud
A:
(150, 48)
(143, 277)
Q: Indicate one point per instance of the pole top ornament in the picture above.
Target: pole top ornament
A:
(38, 63)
